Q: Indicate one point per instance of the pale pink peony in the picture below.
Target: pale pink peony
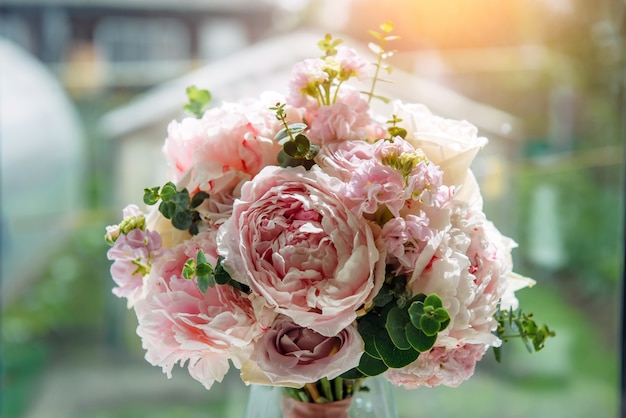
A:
(294, 241)
(291, 355)
(468, 265)
(180, 324)
(439, 367)
(232, 137)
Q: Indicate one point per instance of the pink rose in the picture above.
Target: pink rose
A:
(294, 241)
(439, 367)
(180, 324)
(291, 355)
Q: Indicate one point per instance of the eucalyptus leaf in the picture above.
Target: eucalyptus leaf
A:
(197, 199)
(168, 191)
(429, 325)
(181, 219)
(353, 374)
(416, 311)
(371, 366)
(419, 341)
(433, 300)
(397, 319)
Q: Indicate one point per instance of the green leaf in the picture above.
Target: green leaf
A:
(181, 198)
(397, 319)
(419, 341)
(221, 275)
(371, 366)
(198, 99)
(151, 196)
(168, 191)
(497, 352)
(189, 269)
(368, 326)
(167, 209)
(429, 325)
(296, 128)
(384, 296)
(434, 301)
(444, 324)
(197, 199)
(391, 355)
(441, 315)
(396, 131)
(282, 136)
(204, 269)
(416, 311)
(291, 149)
(352, 374)
(302, 145)
(181, 219)
(285, 160)
(204, 282)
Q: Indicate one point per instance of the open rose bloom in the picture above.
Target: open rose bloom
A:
(305, 257)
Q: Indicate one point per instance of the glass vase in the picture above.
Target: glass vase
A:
(374, 400)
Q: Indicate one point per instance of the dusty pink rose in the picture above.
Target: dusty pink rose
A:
(439, 367)
(180, 324)
(294, 241)
(289, 354)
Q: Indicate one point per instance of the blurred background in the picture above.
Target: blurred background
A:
(87, 89)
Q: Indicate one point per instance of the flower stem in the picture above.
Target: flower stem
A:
(312, 391)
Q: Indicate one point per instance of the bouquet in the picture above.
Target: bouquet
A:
(311, 243)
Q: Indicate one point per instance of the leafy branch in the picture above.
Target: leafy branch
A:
(177, 205)
(517, 324)
(297, 149)
(398, 328)
(206, 276)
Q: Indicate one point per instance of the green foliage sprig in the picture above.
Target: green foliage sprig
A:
(517, 324)
(177, 205)
(398, 328)
(206, 276)
(394, 130)
(198, 101)
(297, 149)
(381, 54)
